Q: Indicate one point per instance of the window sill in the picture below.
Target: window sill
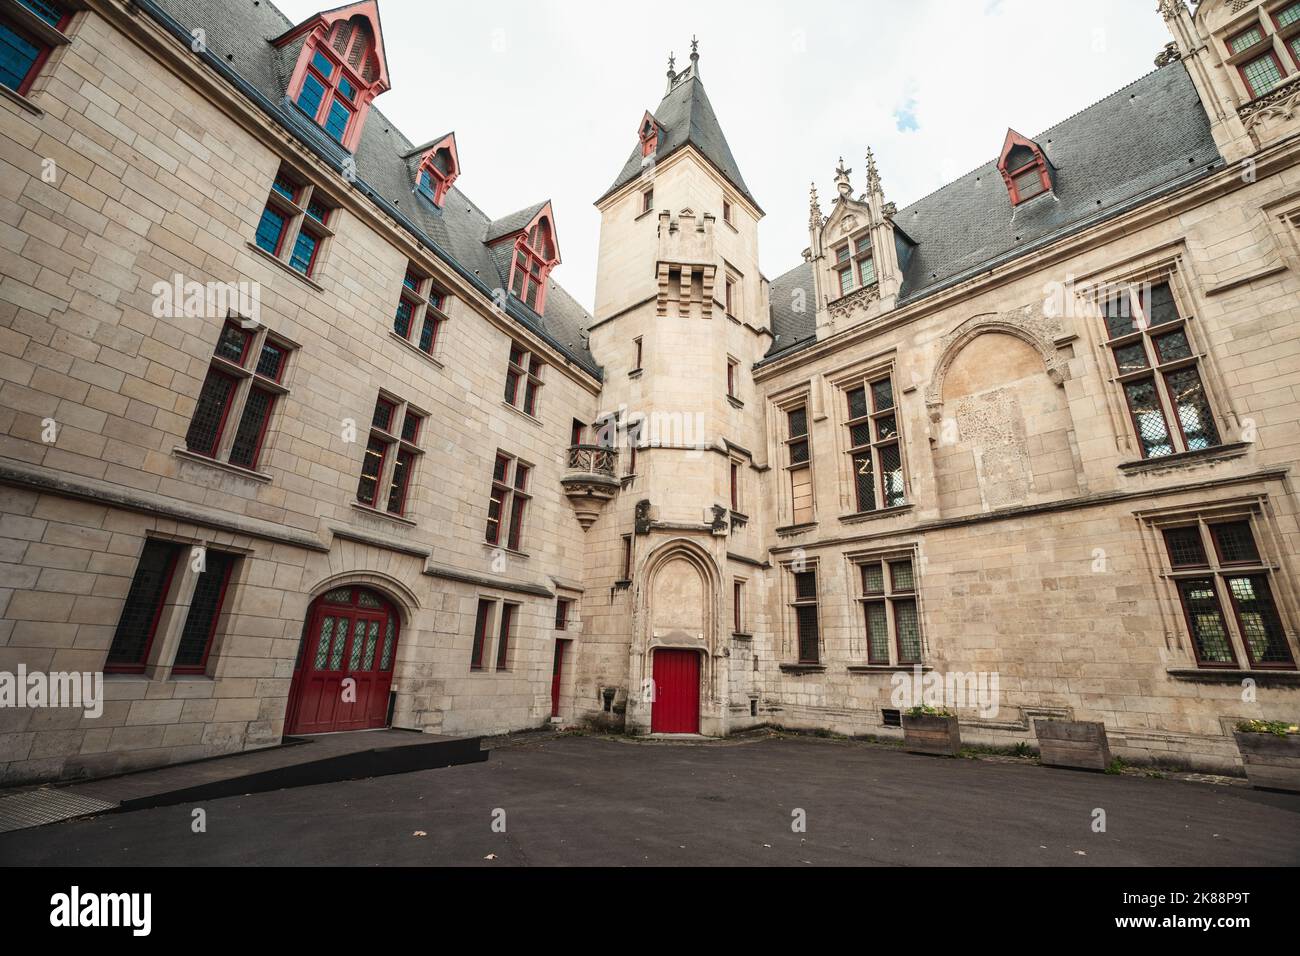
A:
(416, 349)
(886, 668)
(1264, 677)
(873, 515)
(522, 414)
(635, 373)
(388, 515)
(792, 529)
(501, 547)
(1186, 458)
(735, 402)
(744, 636)
(803, 668)
(21, 100)
(225, 466)
(622, 584)
(284, 266)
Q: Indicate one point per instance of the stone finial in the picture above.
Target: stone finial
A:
(873, 174)
(1171, 9)
(842, 182)
(695, 56)
(815, 218)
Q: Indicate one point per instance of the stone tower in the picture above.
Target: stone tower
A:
(680, 319)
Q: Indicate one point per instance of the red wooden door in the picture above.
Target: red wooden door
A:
(557, 671)
(351, 633)
(676, 707)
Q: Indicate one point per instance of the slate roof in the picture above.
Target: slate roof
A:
(1150, 137)
(686, 116)
(513, 222)
(238, 36)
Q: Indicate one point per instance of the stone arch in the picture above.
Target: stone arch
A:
(401, 597)
(679, 603)
(956, 341)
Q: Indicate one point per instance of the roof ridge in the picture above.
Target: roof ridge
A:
(1054, 126)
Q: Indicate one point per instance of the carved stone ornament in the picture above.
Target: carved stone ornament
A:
(845, 306)
(1282, 103)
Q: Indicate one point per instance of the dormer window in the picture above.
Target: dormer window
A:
(534, 258)
(844, 268)
(1260, 73)
(1025, 169)
(649, 135)
(439, 167)
(866, 264)
(340, 69)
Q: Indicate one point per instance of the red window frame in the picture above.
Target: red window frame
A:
(232, 383)
(1044, 180)
(256, 453)
(202, 666)
(44, 49)
(531, 264)
(480, 633)
(139, 665)
(1250, 87)
(503, 636)
(508, 501)
(332, 83)
(737, 619)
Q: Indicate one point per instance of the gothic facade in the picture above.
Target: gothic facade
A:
(296, 439)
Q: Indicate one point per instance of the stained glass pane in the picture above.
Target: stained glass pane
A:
(1160, 305)
(411, 426)
(1188, 395)
(429, 332)
(326, 637)
(877, 634)
(271, 362)
(372, 639)
(304, 248)
(383, 416)
(269, 230)
(1260, 625)
(49, 12)
(232, 344)
(863, 483)
(1117, 309)
(901, 577)
(143, 601)
(1149, 418)
(858, 403)
(371, 465)
(1131, 358)
(336, 124)
(1262, 74)
(17, 57)
(1173, 346)
(891, 476)
(860, 435)
(209, 414)
(401, 477)
(1235, 542)
(354, 657)
(1186, 550)
(886, 427)
(867, 271)
(386, 659)
(322, 63)
(909, 632)
(798, 452)
(313, 91)
(806, 618)
(1206, 621)
(798, 418)
(1289, 16)
(339, 596)
(805, 585)
(882, 394)
(873, 578)
(367, 600)
(248, 437)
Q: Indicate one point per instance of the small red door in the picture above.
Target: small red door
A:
(676, 707)
(351, 633)
(557, 672)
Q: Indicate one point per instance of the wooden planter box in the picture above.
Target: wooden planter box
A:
(1080, 744)
(931, 735)
(1272, 762)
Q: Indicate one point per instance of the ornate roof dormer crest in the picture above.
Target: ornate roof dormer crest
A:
(842, 182)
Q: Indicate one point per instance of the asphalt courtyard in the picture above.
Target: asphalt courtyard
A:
(600, 801)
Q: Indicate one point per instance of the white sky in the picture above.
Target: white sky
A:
(545, 95)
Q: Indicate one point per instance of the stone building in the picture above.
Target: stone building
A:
(294, 438)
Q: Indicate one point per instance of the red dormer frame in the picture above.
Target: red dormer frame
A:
(341, 68)
(432, 180)
(648, 133)
(1015, 177)
(536, 252)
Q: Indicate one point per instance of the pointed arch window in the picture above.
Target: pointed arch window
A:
(649, 135)
(439, 168)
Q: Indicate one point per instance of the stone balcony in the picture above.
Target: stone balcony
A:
(590, 480)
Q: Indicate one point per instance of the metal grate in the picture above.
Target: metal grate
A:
(36, 808)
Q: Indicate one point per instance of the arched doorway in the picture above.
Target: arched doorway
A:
(351, 634)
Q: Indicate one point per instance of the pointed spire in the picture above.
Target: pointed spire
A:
(842, 182)
(695, 56)
(672, 72)
(815, 218)
(873, 174)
